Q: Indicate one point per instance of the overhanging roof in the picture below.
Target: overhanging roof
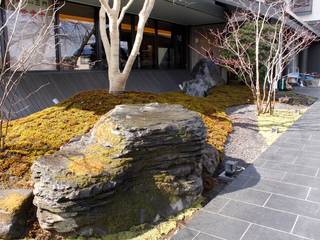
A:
(184, 12)
(293, 17)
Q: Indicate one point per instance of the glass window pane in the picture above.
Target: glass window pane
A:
(126, 24)
(179, 49)
(146, 57)
(77, 37)
(125, 40)
(22, 36)
(165, 50)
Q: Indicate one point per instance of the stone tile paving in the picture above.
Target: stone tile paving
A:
(276, 198)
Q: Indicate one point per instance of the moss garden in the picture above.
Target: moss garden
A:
(45, 132)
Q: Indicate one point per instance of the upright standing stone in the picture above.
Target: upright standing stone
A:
(205, 75)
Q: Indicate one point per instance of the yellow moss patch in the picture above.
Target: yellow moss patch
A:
(281, 120)
(45, 132)
(83, 166)
(11, 202)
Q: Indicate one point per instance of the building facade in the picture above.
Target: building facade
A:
(78, 61)
(308, 11)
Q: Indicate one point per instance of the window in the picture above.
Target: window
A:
(23, 34)
(179, 40)
(147, 50)
(171, 46)
(125, 40)
(77, 37)
(165, 50)
(302, 6)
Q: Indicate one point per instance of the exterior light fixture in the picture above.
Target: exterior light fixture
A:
(55, 101)
(230, 167)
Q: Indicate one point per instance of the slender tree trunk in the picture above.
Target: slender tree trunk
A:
(111, 43)
(117, 82)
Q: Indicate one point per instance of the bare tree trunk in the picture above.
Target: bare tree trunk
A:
(111, 43)
(117, 82)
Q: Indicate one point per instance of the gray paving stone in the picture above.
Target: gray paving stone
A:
(314, 195)
(247, 195)
(308, 161)
(312, 143)
(288, 156)
(279, 188)
(315, 137)
(261, 233)
(312, 148)
(295, 206)
(270, 153)
(289, 145)
(291, 168)
(285, 139)
(260, 215)
(302, 180)
(185, 234)
(216, 204)
(217, 225)
(260, 162)
(203, 236)
(307, 227)
(258, 172)
(295, 133)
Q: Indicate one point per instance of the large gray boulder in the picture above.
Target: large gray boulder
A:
(205, 75)
(15, 209)
(139, 164)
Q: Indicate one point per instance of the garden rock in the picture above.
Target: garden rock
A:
(139, 164)
(15, 205)
(205, 75)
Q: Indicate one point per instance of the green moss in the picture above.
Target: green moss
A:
(157, 231)
(43, 133)
(142, 199)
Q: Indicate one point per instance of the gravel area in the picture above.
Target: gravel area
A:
(245, 143)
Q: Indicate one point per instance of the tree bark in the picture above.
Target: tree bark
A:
(111, 43)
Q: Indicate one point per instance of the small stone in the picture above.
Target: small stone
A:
(15, 207)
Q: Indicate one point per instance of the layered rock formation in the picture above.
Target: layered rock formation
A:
(140, 163)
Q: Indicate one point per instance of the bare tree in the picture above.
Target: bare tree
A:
(257, 44)
(111, 39)
(27, 38)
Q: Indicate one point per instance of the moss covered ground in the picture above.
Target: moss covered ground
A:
(271, 127)
(11, 202)
(45, 132)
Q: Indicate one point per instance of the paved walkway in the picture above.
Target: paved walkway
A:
(276, 198)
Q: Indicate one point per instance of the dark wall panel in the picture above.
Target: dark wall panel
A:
(38, 89)
(314, 58)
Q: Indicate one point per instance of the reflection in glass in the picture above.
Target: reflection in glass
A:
(23, 34)
(165, 51)
(77, 37)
